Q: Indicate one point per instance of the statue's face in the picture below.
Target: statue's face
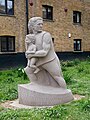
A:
(38, 26)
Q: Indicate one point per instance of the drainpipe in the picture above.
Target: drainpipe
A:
(27, 16)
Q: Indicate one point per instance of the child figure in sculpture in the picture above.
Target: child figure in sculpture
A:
(31, 49)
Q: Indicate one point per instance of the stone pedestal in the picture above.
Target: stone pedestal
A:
(37, 95)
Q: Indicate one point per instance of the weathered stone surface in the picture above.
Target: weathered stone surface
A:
(37, 95)
(48, 86)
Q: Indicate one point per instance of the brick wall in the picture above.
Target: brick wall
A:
(59, 28)
(62, 23)
(15, 25)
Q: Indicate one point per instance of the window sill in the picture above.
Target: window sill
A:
(77, 51)
(6, 15)
(78, 24)
(48, 20)
(7, 52)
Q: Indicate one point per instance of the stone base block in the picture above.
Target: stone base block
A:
(36, 95)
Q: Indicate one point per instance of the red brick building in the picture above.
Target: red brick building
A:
(68, 21)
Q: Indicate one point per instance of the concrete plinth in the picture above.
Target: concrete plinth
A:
(36, 95)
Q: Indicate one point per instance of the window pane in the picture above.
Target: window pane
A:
(49, 13)
(74, 17)
(7, 43)
(10, 7)
(75, 48)
(49, 10)
(3, 44)
(78, 18)
(44, 13)
(10, 44)
(77, 45)
(2, 6)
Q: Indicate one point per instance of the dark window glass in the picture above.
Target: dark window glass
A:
(7, 43)
(11, 43)
(47, 12)
(53, 40)
(7, 7)
(4, 44)
(76, 17)
(44, 13)
(10, 7)
(77, 44)
(2, 6)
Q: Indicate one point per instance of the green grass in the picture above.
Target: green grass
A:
(9, 80)
(77, 76)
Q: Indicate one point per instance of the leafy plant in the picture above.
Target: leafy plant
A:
(21, 73)
(70, 63)
(80, 68)
(86, 105)
(68, 77)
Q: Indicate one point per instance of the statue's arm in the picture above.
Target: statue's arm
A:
(26, 42)
(30, 52)
(46, 47)
(31, 49)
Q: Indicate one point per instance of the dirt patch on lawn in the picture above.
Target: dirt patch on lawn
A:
(8, 104)
(78, 97)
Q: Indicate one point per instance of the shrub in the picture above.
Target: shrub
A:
(83, 68)
(88, 58)
(68, 78)
(21, 73)
(80, 68)
(76, 61)
(70, 63)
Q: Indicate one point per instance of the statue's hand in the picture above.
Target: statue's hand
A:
(28, 56)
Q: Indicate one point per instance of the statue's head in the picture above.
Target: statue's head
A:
(32, 38)
(35, 24)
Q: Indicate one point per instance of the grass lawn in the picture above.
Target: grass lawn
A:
(77, 76)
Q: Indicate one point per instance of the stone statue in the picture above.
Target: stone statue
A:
(47, 58)
(43, 69)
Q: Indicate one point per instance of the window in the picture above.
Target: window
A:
(47, 12)
(7, 43)
(53, 40)
(77, 44)
(76, 17)
(7, 7)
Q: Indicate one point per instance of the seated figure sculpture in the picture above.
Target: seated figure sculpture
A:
(48, 81)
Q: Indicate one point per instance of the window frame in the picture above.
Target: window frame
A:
(7, 43)
(47, 13)
(6, 11)
(76, 48)
(76, 14)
